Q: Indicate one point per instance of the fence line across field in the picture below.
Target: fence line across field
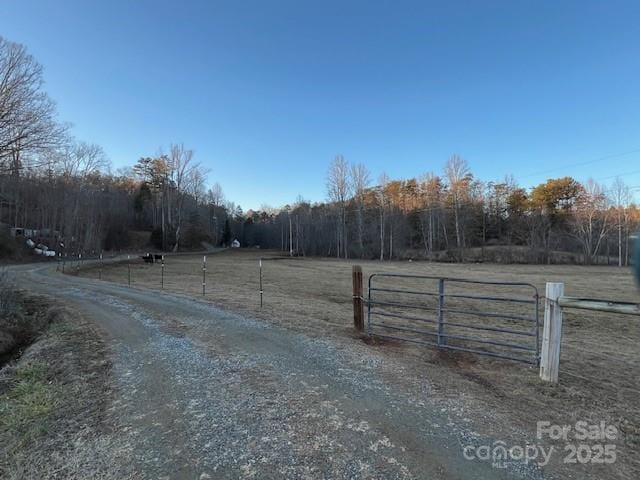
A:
(524, 344)
(164, 265)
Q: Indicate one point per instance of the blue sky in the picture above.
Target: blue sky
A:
(268, 92)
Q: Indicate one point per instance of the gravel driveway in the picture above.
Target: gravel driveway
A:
(205, 393)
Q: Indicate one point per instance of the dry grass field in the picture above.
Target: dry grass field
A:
(600, 366)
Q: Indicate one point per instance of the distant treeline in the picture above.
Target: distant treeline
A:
(454, 217)
(66, 190)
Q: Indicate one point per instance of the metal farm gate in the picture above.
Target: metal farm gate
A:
(498, 319)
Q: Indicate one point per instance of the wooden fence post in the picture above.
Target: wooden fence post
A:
(552, 333)
(358, 300)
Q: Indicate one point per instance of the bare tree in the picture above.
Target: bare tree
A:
(79, 162)
(197, 179)
(82, 159)
(457, 173)
(621, 197)
(591, 219)
(360, 179)
(383, 204)
(432, 192)
(339, 190)
(182, 170)
(27, 114)
(215, 195)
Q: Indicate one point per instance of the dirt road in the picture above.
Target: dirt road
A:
(204, 393)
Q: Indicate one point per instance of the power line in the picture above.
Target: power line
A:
(634, 172)
(580, 164)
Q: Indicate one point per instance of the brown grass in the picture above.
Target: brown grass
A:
(600, 360)
(53, 403)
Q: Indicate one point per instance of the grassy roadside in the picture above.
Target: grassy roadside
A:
(26, 409)
(53, 402)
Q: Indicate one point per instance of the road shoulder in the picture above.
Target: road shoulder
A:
(53, 403)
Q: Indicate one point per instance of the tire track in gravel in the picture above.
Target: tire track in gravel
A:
(205, 393)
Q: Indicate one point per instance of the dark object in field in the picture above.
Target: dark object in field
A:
(148, 258)
(152, 258)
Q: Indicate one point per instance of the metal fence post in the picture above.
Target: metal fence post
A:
(358, 303)
(261, 290)
(100, 269)
(162, 274)
(441, 339)
(204, 272)
(552, 333)
(129, 270)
